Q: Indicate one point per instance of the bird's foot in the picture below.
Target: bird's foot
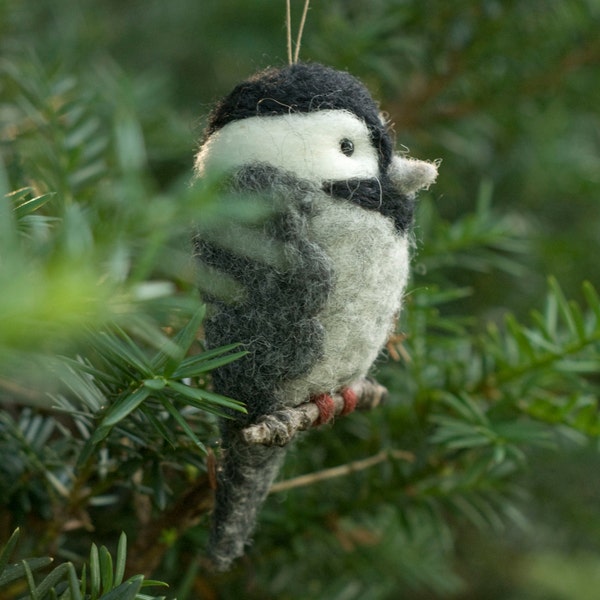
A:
(326, 405)
(350, 400)
(327, 408)
(278, 428)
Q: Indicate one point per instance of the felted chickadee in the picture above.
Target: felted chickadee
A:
(312, 291)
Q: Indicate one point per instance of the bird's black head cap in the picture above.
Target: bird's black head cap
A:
(303, 88)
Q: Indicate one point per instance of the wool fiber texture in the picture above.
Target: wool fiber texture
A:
(378, 194)
(313, 320)
(312, 290)
(276, 321)
(276, 316)
(306, 144)
(370, 266)
(303, 88)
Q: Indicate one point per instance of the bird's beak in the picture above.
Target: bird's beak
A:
(410, 175)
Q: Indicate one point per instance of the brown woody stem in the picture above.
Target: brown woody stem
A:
(280, 427)
(342, 470)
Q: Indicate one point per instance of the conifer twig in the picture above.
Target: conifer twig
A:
(341, 470)
(280, 427)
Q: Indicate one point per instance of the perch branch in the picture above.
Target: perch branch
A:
(342, 470)
(280, 427)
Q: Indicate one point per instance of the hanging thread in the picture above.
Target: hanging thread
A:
(294, 56)
(288, 23)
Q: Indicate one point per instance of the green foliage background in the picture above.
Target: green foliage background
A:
(487, 485)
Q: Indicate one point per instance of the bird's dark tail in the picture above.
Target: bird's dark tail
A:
(243, 483)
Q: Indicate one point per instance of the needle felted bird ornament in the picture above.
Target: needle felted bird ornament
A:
(314, 289)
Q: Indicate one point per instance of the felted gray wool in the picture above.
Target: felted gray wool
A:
(313, 290)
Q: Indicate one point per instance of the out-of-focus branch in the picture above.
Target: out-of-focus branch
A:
(342, 470)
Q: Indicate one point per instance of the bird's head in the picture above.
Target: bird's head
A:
(320, 124)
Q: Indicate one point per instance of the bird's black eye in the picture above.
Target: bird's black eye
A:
(347, 147)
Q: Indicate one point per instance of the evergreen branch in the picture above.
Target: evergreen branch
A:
(152, 541)
(481, 241)
(63, 583)
(95, 157)
(524, 351)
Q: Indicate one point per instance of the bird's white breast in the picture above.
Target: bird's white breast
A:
(370, 263)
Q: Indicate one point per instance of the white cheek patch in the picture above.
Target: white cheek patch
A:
(306, 144)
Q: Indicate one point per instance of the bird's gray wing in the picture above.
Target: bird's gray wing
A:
(282, 280)
(281, 283)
